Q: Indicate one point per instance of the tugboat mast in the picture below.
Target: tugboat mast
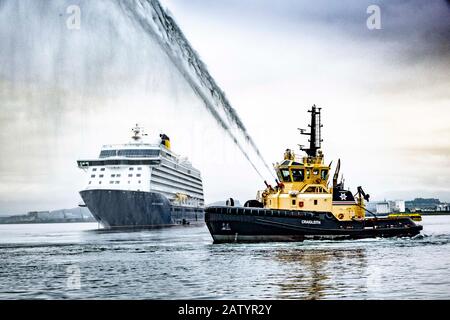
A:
(315, 133)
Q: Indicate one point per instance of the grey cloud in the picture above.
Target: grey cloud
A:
(419, 29)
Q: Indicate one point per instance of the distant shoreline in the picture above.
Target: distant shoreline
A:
(435, 213)
(72, 215)
(48, 222)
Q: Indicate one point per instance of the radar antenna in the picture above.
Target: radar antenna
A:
(138, 133)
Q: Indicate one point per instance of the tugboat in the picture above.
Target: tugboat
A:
(302, 205)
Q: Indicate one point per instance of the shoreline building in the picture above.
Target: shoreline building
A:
(388, 206)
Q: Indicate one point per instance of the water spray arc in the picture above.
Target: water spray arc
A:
(159, 24)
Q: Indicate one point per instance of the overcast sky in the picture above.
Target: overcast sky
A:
(384, 93)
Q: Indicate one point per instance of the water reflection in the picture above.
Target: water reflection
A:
(320, 273)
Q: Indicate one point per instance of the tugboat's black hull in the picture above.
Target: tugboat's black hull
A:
(237, 224)
(138, 209)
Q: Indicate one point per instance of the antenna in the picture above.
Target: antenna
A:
(138, 133)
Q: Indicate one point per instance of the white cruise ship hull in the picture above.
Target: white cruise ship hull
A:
(138, 209)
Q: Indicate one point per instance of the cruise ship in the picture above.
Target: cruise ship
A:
(142, 184)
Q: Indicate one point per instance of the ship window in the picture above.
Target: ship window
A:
(138, 175)
(118, 175)
(293, 202)
(315, 172)
(324, 174)
(100, 176)
(323, 190)
(113, 176)
(107, 153)
(128, 182)
(111, 182)
(140, 168)
(102, 169)
(94, 169)
(285, 175)
(92, 175)
(117, 182)
(99, 182)
(315, 202)
(130, 175)
(131, 169)
(90, 182)
(298, 174)
(139, 181)
(135, 153)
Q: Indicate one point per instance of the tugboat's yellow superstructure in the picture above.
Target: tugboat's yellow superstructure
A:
(304, 205)
(303, 183)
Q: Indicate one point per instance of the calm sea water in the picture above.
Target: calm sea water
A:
(77, 261)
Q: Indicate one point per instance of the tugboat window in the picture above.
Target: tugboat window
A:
(285, 175)
(279, 176)
(298, 175)
(324, 174)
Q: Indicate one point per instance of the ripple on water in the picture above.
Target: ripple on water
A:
(182, 263)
